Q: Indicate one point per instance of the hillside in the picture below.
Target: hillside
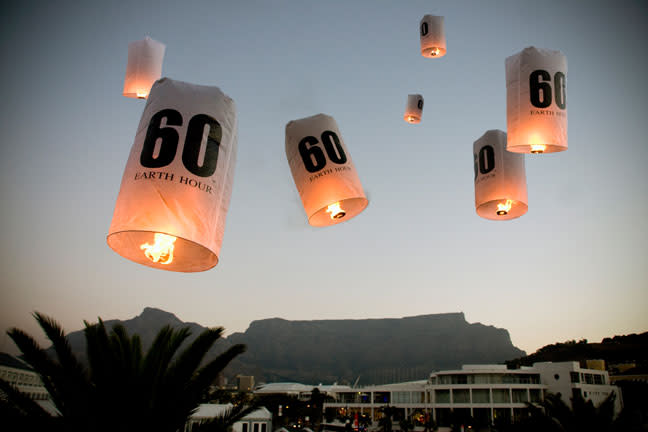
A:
(618, 349)
(376, 350)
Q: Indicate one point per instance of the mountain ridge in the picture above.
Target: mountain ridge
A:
(379, 349)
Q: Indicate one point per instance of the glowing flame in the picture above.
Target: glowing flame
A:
(141, 95)
(538, 148)
(503, 209)
(537, 144)
(336, 211)
(162, 250)
(410, 119)
(435, 52)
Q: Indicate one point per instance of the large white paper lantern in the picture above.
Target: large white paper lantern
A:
(171, 208)
(324, 174)
(414, 109)
(536, 101)
(144, 67)
(500, 178)
(433, 42)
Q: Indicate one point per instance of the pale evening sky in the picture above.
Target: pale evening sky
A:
(575, 266)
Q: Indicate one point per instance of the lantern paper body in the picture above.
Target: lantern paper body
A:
(144, 67)
(323, 171)
(536, 101)
(414, 109)
(432, 31)
(500, 178)
(178, 178)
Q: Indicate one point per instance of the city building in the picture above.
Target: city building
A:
(301, 391)
(259, 420)
(487, 393)
(22, 376)
(244, 383)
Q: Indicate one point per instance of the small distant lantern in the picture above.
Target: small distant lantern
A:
(536, 101)
(414, 109)
(500, 178)
(324, 174)
(144, 67)
(433, 42)
(171, 209)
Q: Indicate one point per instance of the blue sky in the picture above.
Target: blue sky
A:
(575, 266)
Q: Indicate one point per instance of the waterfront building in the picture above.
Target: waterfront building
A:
(487, 393)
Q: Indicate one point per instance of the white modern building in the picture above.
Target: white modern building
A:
(300, 391)
(487, 393)
(22, 376)
(259, 420)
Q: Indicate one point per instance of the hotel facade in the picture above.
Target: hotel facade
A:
(487, 393)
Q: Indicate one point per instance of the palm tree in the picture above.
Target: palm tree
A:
(123, 388)
(553, 414)
(385, 422)
(406, 425)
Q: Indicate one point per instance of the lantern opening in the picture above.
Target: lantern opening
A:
(503, 209)
(336, 211)
(538, 148)
(141, 95)
(433, 52)
(162, 250)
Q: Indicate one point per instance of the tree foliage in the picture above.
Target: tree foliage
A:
(122, 387)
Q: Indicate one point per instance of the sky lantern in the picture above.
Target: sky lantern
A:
(324, 174)
(500, 178)
(176, 188)
(433, 42)
(144, 67)
(414, 109)
(536, 101)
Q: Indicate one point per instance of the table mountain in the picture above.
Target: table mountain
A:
(375, 350)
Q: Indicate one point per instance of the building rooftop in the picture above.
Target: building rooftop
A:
(14, 362)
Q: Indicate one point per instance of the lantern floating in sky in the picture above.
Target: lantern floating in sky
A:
(433, 42)
(144, 67)
(500, 178)
(414, 108)
(324, 174)
(176, 188)
(536, 101)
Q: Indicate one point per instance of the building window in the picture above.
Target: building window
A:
(255, 427)
(461, 396)
(519, 395)
(264, 427)
(401, 397)
(382, 397)
(589, 379)
(535, 395)
(245, 427)
(575, 378)
(557, 377)
(418, 397)
(598, 379)
(480, 396)
(442, 396)
(501, 396)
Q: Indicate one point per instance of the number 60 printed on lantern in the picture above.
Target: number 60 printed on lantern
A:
(171, 208)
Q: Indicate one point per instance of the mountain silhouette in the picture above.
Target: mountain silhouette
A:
(372, 351)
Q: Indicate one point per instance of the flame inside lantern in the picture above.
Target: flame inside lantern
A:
(141, 95)
(336, 211)
(434, 52)
(503, 209)
(537, 145)
(162, 250)
(538, 148)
